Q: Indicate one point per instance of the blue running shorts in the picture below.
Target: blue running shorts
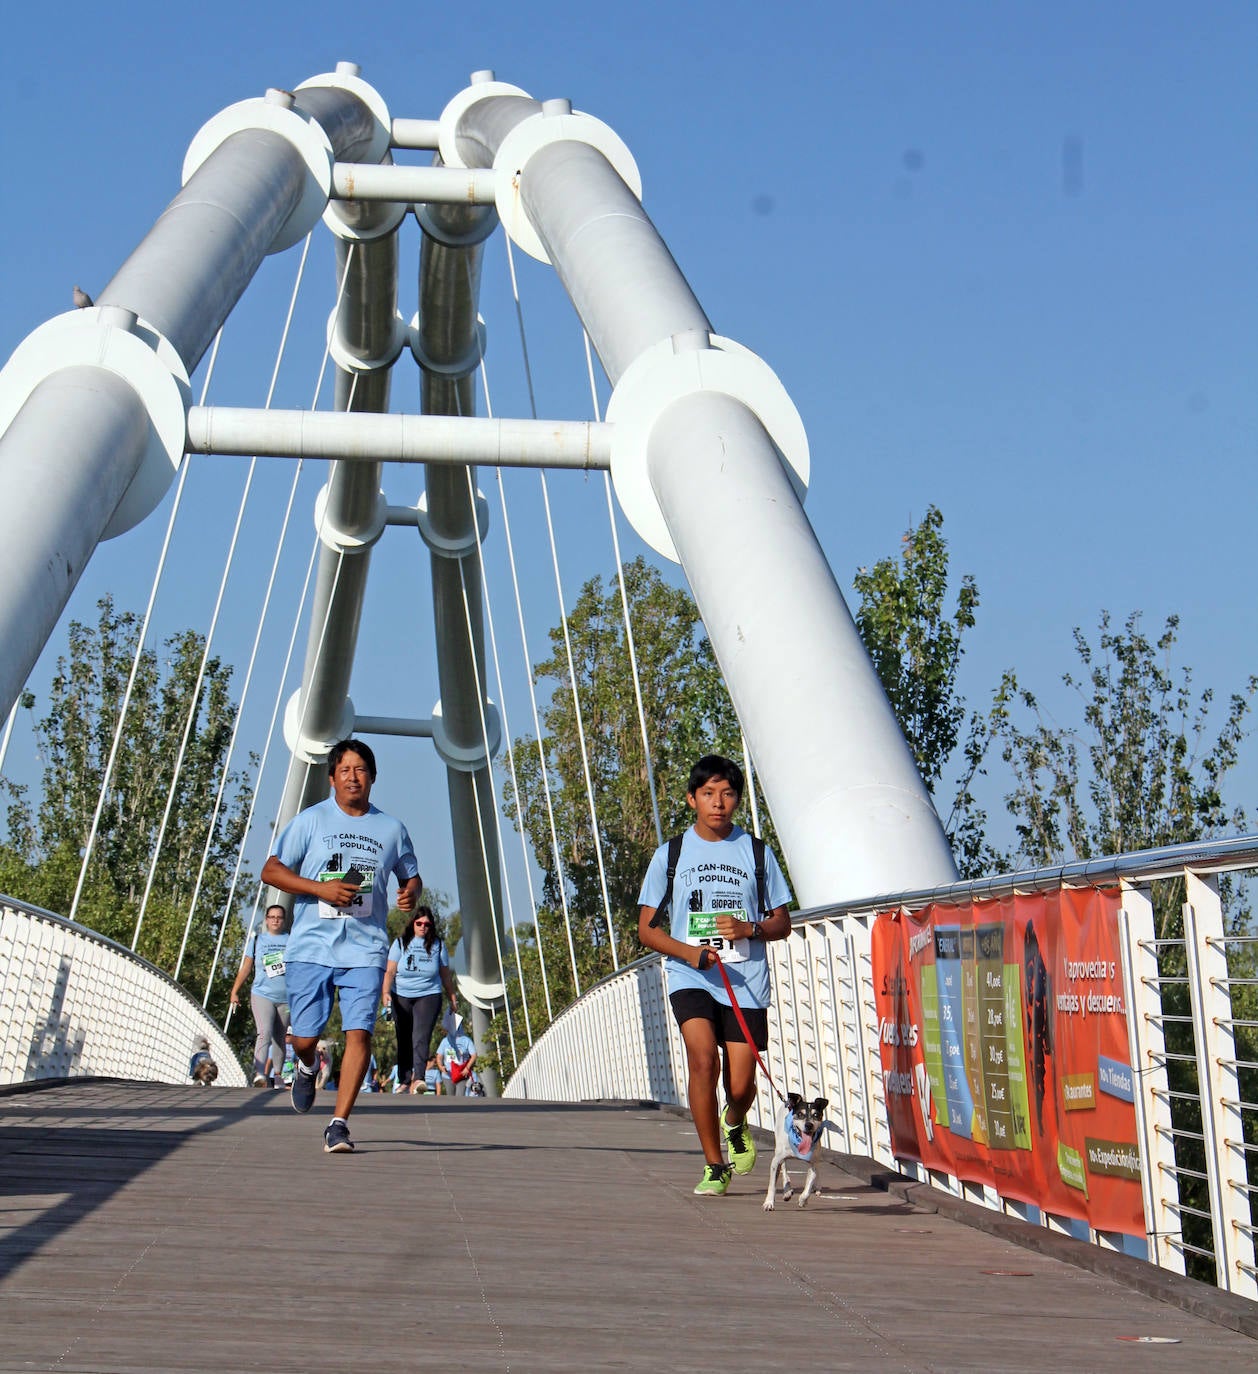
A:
(310, 989)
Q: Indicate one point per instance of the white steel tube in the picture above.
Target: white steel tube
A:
(423, 134)
(361, 438)
(408, 185)
(66, 461)
(847, 798)
(852, 811)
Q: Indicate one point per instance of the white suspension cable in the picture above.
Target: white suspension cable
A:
(8, 729)
(253, 800)
(484, 730)
(138, 657)
(280, 544)
(515, 790)
(624, 603)
(537, 728)
(751, 787)
(194, 704)
(279, 694)
(567, 638)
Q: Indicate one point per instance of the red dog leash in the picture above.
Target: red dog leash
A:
(742, 1023)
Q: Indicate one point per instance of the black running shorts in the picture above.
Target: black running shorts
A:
(689, 1003)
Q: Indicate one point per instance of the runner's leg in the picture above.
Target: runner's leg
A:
(703, 1065)
(404, 1023)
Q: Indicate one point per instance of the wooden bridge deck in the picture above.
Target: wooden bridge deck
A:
(159, 1228)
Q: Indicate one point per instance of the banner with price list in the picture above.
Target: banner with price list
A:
(1003, 1034)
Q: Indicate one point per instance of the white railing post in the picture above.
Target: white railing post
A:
(1221, 1126)
(1158, 1178)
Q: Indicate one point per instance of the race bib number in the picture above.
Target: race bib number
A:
(355, 908)
(273, 964)
(702, 931)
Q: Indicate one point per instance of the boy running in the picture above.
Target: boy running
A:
(713, 910)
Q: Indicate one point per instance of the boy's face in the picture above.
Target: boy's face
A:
(714, 805)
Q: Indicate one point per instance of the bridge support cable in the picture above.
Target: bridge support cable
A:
(624, 605)
(8, 732)
(519, 814)
(316, 546)
(751, 786)
(230, 903)
(706, 428)
(482, 697)
(595, 837)
(543, 771)
(194, 704)
(256, 178)
(281, 542)
(448, 344)
(365, 341)
(138, 657)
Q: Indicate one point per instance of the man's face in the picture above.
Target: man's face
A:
(714, 805)
(351, 782)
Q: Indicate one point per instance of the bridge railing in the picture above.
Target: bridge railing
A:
(1189, 994)
(76, 1005)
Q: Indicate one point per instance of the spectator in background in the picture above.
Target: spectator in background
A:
(268, 998)
(456, 1056)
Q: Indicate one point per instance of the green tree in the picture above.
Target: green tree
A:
(916, 644)
(41, 858)
(1145, 769)
(688, 713)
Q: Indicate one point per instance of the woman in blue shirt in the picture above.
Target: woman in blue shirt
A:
(417, 970)
(268, 998)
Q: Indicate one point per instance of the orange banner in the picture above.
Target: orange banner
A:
(1003, 1032)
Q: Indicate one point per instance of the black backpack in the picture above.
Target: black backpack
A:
(660, 919)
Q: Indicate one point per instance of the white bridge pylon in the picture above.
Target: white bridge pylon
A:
(707, 453)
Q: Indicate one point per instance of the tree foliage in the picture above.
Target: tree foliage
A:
(916, 645)
(1145, 769)
(41, 859)
(688, 713)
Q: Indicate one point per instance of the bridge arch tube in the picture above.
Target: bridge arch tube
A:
(852, 811)
(180, 281)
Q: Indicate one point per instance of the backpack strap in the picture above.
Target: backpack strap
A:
(757, 849)
(660, 919)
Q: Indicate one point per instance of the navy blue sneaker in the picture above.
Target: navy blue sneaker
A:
(336, 1139)
(303, 1091)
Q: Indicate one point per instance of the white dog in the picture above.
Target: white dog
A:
(799, 1127)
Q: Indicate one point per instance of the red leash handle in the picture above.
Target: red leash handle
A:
(742, 1023)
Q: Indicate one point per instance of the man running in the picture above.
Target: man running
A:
(336, 858)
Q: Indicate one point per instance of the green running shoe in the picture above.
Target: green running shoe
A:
(742, 1149)
(714, 1182)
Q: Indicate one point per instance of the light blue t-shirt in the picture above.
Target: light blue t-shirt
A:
(459, 1048)
(323, 842)
(418, 969)
(267, 952)
(715, 876)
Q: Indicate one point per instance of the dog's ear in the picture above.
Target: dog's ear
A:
(794, 1102)
(819, 1106)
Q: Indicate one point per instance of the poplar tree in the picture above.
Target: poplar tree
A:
(915, 641)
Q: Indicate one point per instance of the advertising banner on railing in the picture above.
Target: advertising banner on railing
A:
(1003, 1032)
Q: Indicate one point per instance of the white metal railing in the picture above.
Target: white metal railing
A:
(75, 1005)
(1189, 996)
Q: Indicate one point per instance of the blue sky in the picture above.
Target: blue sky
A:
(1000, 256)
